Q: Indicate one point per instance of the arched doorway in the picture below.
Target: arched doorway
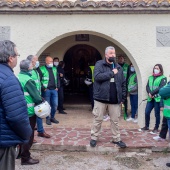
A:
(77, 59)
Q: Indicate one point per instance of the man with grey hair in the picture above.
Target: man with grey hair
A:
(36, 77)
(109, 92)
(14, 127)
(32, 97)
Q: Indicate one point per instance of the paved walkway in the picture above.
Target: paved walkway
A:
(73, 133)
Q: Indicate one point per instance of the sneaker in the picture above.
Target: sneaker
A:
(135, 121)
(154, 131)
(106, 118)
(130, 119)
(93, 143)
(48, 122)
(54, 120)
(120, 144)
(158, 138)
(143, 129)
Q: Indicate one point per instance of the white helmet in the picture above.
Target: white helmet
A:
(42, 110)
(88, 81)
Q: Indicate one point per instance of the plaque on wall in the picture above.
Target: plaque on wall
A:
(5, 33)
(163, 36)
(82, 37)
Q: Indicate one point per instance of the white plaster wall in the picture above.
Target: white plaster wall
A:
(134, 34)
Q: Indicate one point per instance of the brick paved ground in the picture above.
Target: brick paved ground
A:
(73, 131)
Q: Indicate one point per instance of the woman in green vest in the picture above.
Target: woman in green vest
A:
(133, 91)
(155, 82)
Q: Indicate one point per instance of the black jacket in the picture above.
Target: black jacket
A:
(102, 76)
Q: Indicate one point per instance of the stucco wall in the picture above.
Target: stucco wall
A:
(134, 34)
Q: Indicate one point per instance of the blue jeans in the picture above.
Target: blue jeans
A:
(134, 104)
(51, 96)
(40, 128)
(149, 106)
(168, 122)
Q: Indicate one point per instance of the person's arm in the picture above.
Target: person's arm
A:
(33, 92)
(147, 88)
(41, 76)
(100, 75)
(163, 83)
(164, 92)
(15, 107)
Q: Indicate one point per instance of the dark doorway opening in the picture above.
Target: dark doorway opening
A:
(77, 60)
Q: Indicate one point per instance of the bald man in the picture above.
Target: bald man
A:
(49, 86)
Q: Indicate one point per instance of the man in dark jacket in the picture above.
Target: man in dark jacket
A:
(109, 91)
(14, 127)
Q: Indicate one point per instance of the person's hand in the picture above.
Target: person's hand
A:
(56, 89)
(161, 109)
(45, 89)
(150, 95)
(61, 75)
(115, 70)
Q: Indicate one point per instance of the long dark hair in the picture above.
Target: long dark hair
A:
(160, 67)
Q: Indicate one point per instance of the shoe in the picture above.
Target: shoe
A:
(48, 122)
(135, 121)
(54, 120)
(158, 138)
(62, 112)
(154, 131)
(130, 119)
(106, 118)
(31, 161)
(64, 108)
(168, 164)
(120, 144)
(93, 143)
(44, 135)
(143, 129)
(34, 141)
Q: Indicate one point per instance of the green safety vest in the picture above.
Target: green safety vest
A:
(23, 78)
(45, 77)
(131, 82)
(125, 69)
(166, 111)
(154, 84)
(92, 72)
(35, 76)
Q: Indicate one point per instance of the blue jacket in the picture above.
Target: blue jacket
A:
(14, 122)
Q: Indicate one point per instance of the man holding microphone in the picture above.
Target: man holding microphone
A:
(109, 91)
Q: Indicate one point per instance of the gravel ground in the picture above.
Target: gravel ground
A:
(50, 160)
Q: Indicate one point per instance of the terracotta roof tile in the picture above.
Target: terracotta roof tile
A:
(89, 3)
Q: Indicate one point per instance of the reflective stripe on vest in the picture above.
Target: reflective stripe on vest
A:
(45, 75)
(26, 94)
(92, 72)
(30, 105)
(154, 84)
